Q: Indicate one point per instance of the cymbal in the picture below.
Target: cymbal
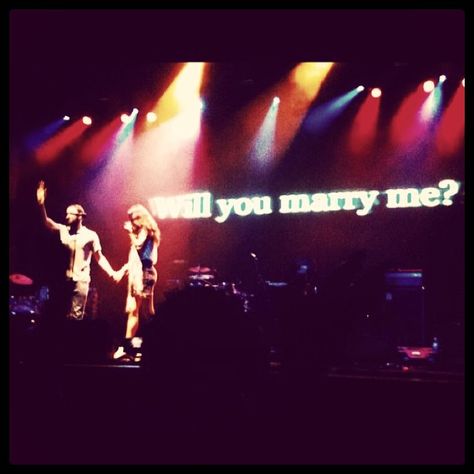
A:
(20, 279)
(199, 269)
(201, 277)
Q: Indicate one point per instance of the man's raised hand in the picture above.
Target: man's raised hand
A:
(41, 193)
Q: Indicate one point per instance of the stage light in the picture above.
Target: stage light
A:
(442, 78)
(428, 86)
(66, 118)
(360, 88)
(376, 92)
(86, 120)
(151, 117)
(124, 118)
(462, 82)
(276, 101)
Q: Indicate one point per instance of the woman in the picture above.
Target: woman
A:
(142, 276)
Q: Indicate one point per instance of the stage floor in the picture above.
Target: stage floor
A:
(116, 413)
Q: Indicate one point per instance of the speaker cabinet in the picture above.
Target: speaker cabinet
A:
(405, 307)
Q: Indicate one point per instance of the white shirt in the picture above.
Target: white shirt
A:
(81, 246)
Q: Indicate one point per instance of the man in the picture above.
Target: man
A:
(81, 243)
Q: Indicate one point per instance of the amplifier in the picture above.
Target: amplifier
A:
(404, 278)
(405, 307)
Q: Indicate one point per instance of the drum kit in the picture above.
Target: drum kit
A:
(24, 301)
(206, 277)
(201, 276)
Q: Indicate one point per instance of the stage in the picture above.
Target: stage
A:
(111, 412)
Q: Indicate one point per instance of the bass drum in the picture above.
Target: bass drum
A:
(24, 306)
(24, 312)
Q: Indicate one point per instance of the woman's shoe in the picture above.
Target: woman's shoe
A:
(120, 352)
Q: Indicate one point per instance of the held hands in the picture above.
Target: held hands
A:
(128, 226)
(119, 274)
(41, 193)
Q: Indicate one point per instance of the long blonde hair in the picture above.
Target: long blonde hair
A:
(146, 220)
